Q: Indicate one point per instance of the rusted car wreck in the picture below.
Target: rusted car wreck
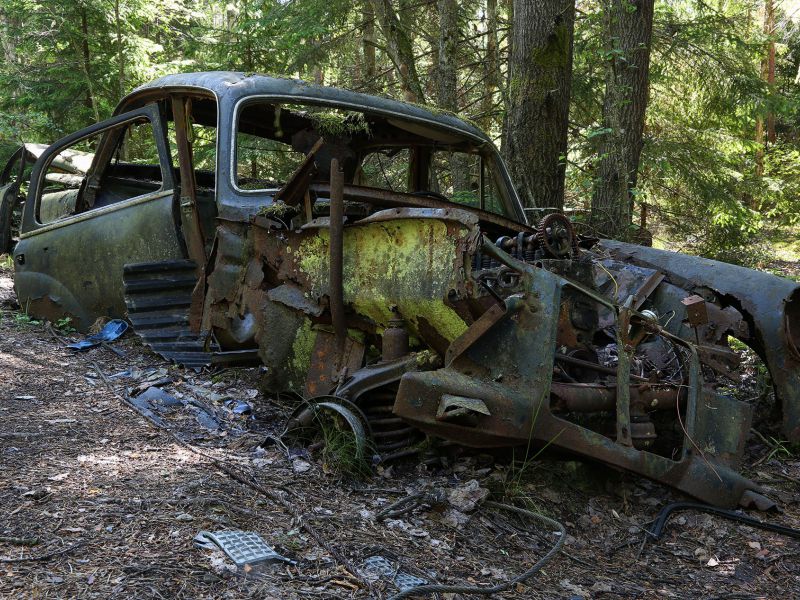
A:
(374, 256)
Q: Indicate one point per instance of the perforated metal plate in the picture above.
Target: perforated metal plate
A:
(383, 568)
(243, 547)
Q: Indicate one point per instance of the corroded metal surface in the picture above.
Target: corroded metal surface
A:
(420, 314)
(768, 305)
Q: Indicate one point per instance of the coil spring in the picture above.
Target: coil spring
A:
(393, 438)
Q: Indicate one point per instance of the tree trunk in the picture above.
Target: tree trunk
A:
(120, 52)
(319, 74)
(368, 46)
(768, 75)
(769, 29)
(491, 70)
(628, 31)
(447, 80)
(504, 91)
(538, 99)
(400, 50)
(7, 40)
(86, 62)
(759, 155)
(248, 46)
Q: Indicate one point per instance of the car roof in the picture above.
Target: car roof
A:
(230, 85)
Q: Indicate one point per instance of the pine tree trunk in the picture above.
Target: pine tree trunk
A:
(368, 46)
(447, 80)
(120, 52)
(491, 70)
(400, 49)
(86, 62)
(7, 40)
(768, 75)
(508, 5)
(538, 99)
(769, 29)
(248, 46)
(750, 201)
(628, 31)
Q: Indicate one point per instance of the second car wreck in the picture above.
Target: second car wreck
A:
(375, 258)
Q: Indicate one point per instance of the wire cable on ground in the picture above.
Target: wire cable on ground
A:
(657, 529)
(435, 588)
(392, 510)
(409, 503)
(49, 555)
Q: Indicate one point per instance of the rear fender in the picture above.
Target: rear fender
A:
(770, 306)
(47, 297)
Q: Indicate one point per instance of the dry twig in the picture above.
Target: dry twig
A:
(47, 556)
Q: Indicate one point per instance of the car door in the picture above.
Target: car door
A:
(99, 199)
(8, 200)
(11, 180)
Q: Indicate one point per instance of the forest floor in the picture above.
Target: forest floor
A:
(96, 501)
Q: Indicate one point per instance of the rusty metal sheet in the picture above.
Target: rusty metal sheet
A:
(325, 368)
(696, 311)
(464, 217)
(383, 268)
(502, 368)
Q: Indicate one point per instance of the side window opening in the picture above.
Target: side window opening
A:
(272, 140)
(465, 179)
(386, 168)
(456, 175)
(271, 143)
(134, 169)
(263, 163)
(75, 182)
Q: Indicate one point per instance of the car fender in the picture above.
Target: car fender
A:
(770, 306)
(44, 295)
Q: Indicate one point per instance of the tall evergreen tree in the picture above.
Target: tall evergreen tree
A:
(628, 29)
(536, 120)
(399, 48)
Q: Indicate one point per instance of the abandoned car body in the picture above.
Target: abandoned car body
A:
(375, 257)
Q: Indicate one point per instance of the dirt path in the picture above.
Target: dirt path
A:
(85, 476)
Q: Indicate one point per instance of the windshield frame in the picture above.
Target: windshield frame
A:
(485, 148)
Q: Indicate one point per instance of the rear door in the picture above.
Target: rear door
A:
(99, 199)
(8, 200)
(11, 179)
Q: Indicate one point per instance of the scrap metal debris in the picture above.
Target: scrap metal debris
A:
(242, 547)
(555, 528)
(153, 402)
(110, 332)
(657, 528)
(124, 474)
(381, 567)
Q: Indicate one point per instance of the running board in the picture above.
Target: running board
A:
(158, 296)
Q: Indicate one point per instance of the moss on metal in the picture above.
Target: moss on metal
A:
(302, 349)
(406, 263)
(277, 210)
(336, 124)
